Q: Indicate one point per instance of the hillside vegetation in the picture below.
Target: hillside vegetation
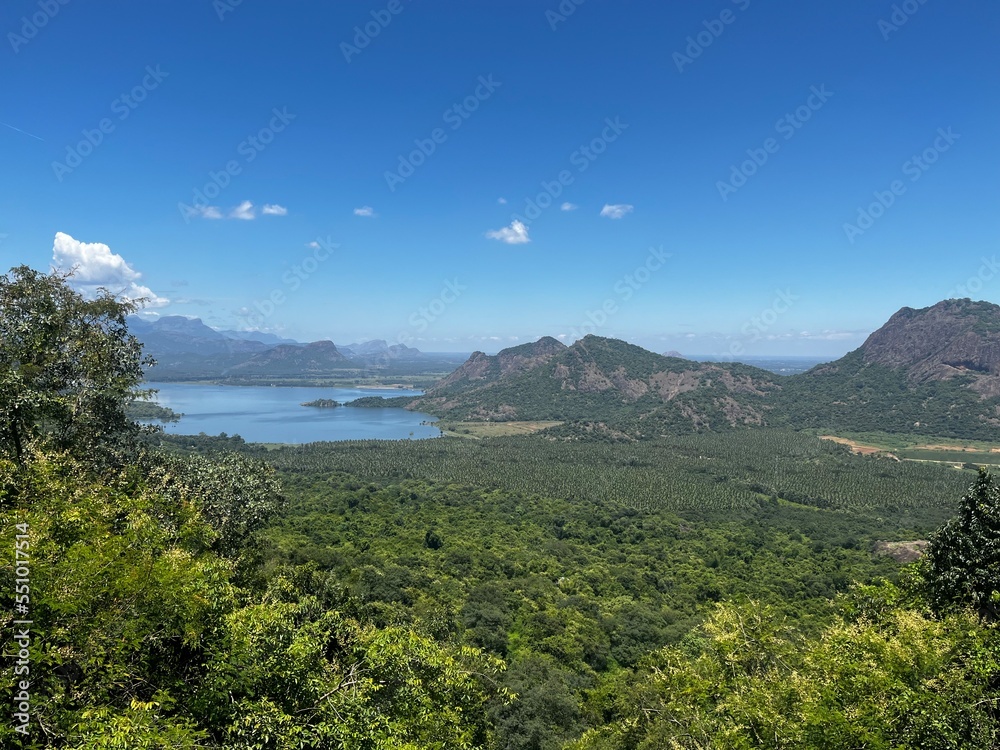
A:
(528, 592)
(933, 372)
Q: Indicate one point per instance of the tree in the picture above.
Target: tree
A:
(68, 367)
(963, 561)
(236, 494)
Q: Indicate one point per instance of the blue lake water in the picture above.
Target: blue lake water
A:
(262, 414)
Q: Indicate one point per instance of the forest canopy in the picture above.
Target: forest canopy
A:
(505, 593)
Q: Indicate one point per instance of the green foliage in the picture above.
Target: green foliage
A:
(963, 562)
(142, 636)
(708, 474)
(323, 403)
(571, 592)
(123, 594)
(149, 412)
(605, 381)
(68, 368)
(236, 494)
(851, 395)
(381, 402)
(522, 593)
(291, 675)
(904, 681)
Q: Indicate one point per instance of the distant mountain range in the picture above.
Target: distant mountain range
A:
(934, 371)
(379, 350)
(186, 347)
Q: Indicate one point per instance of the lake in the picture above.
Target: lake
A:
(263, 414)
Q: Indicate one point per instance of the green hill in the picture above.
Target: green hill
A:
(603, 382)
(934, 371)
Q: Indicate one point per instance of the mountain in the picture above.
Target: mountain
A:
(177, 335)
(378, 350)
(610, 384)
(402, 351)
(482, 369)
(954, 339)
(935, 371)
(264, 338)
(286, 360)
(186, 348)
(674, 353)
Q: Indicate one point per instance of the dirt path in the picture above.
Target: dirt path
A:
(864, 450)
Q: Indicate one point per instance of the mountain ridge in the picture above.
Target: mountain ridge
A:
(600, 380)
(934, 370)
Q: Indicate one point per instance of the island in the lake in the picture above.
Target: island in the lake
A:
(322, 403)
(144, 411)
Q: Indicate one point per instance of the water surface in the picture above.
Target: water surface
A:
(263, 414)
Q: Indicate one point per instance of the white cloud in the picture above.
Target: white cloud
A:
(829, 335)
(567, 206)
(95, 266)
(243, 211)
(314, 245)
(617, 210)
(208, 212)
(502, 201)
(366, 211)
(515, 234)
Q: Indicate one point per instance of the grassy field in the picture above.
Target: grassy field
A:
(920, 448)
(477, 430)
(896, 441)
(950, 456)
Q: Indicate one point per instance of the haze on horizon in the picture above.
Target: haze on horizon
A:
(733, 179)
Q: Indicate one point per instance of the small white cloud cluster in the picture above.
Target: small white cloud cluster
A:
(246, 211)
(616, 210)
(515, 234)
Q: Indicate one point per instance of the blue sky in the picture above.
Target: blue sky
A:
(738, 177)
